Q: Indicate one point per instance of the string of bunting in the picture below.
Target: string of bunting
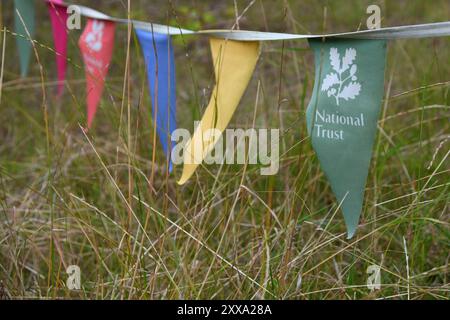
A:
(341, 117)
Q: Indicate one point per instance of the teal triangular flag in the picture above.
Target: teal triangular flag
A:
(343, 113)
(26, 10)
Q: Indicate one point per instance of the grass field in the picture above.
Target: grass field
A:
(70, 198)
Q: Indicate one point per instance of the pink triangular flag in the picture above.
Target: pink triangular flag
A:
(96, 45)
(58, 17)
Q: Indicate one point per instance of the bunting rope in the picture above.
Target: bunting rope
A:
(437, 29)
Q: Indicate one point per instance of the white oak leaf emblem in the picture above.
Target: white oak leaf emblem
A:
(342, 82)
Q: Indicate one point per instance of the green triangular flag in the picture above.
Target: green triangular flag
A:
(26, 10)
(343, 113)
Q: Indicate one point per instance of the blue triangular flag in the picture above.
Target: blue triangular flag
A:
(159, 58)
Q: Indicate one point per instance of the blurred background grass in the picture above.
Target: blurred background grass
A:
(67, 198)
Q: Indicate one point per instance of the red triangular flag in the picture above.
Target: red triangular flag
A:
(96, 45)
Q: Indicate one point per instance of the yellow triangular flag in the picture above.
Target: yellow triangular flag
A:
(234, 63)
